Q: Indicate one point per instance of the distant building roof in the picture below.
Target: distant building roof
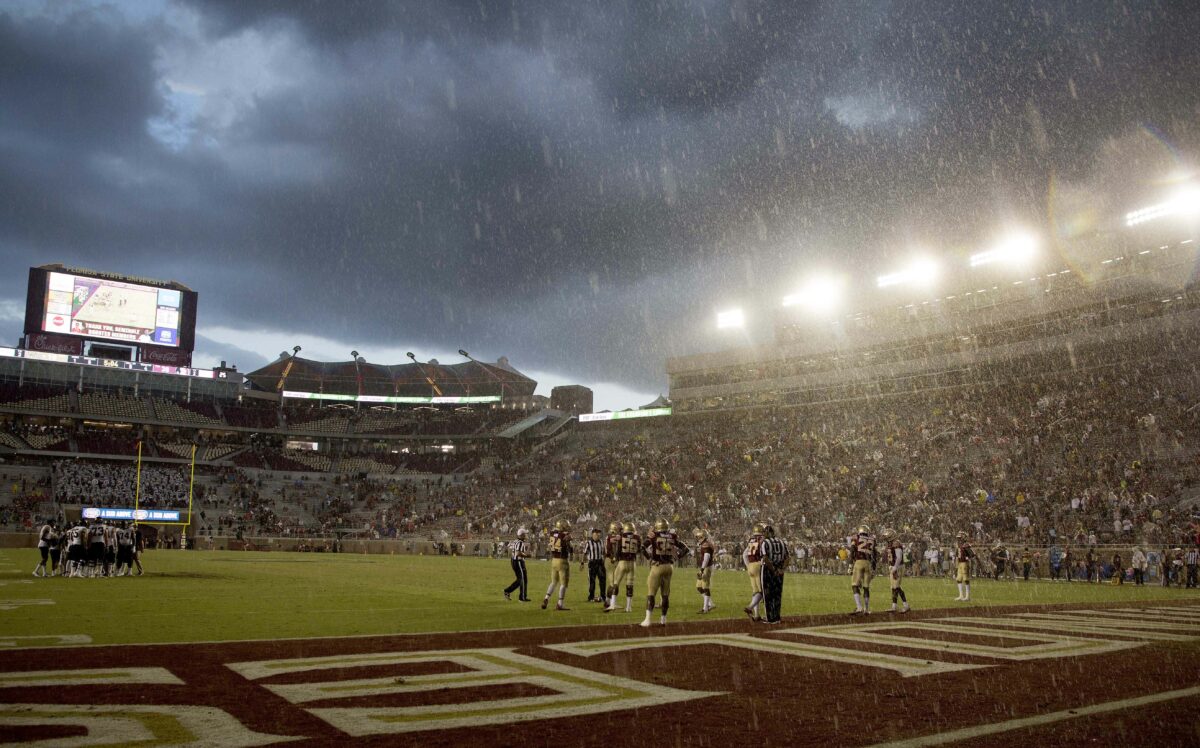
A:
(411, 379)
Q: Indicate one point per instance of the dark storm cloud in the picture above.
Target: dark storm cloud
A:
(572, 184)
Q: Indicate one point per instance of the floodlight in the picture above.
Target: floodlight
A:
(921, 271)
(1186, 202)
(821, 294)
(730, 318)
(1014, 249)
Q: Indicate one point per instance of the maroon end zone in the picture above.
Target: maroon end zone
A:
(1126, 675)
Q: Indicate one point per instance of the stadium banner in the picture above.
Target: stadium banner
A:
(623, 414)
(153, 354)
(54, 344)
(135, 515)
(446, 400)
(107, 363)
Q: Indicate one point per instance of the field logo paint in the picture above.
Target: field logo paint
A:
(576, 692)
(113, 724)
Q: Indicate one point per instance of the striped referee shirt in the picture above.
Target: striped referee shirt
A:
(593, 550)
(775, 550)
(518, 549)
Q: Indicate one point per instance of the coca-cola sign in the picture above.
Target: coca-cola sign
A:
(54, 344)
(166, 356)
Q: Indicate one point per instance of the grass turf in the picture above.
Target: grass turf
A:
(189, 596)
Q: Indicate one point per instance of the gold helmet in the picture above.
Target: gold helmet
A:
(699, 533)
(628, 527)
(961, 535)
(660, 525)
(864, 530)
(888, 533)
(562, 525)
(756, 530)
(613, 528)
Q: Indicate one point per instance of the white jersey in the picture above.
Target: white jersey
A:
(124, 537)
(45, 536)
(75, 536)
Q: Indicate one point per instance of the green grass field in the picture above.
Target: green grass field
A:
(189, 596)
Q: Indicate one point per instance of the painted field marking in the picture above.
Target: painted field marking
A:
(575, 691)
(47, 640)
(127, 724)
(5, 583)
(1044, 645)
(969, 733)
(14, 604)
(1115, 621)
(1151, 614)
(96, 676)
(1081, 627)
(906, 666)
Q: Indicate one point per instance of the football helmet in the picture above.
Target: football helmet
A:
(961, 535)
(628, 527)
(660, 525)
(562, 525)
(699, 534)
(613, 528)
(756, 530)
(887, 533)
(864, 530)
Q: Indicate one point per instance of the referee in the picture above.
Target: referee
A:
(519, 551)
(593, 553)
(775, 555)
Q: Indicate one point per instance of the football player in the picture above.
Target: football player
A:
(863, 556)
(752, 558)
(706, 556)
(612, 544)
(95, 536)
(662, 547)
(75, 551)
(999, 559)
(124, 550)
(560, 563)
(627, 553)
(895, 561)
(962, 556)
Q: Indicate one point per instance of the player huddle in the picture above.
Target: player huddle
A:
(93, 549)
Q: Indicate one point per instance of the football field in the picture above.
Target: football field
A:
(247, 648)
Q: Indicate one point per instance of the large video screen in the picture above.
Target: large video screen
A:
(111, 309)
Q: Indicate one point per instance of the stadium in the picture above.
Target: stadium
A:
(920, 283)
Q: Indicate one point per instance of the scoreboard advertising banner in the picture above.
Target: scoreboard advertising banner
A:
(109, 308)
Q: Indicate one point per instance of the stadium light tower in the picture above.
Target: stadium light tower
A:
(491, 373)
(923, 271)
(295, 349)
(1015, 249)
(820, 294)
(731, 319)
(429, 380)
(357, 377)
(1184, 203)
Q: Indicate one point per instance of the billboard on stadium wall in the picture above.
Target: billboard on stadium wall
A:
(621, 415)
(105, 306)
(54, 344)
(448, 400)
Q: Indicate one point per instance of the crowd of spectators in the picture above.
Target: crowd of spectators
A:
(113, 484)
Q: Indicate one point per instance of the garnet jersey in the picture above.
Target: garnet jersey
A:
(560, 544)
(612, 546)
(705, 548)
(964, 553)
(664, 546)
(895, 554)
(631, 545)
(754, 549)
(862, 547)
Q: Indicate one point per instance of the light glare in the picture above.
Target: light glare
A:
(922, 271)
(1015, 249)
(820, 294)
(1184, 203)
(730, 318)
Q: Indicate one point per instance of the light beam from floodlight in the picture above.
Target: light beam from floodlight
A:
(1014, 249)
(731, 319)
(1184, 203)
(821, 294)
(922, 271)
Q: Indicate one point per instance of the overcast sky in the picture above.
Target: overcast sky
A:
(575, 185)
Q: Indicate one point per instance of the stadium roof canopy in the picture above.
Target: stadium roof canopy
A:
(470, 378)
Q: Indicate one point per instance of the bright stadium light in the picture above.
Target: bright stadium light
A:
(1014, 250)
(1186, 202)
(731, 319)
(821, 294)
(922, 271)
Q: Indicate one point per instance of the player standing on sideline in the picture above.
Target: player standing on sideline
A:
(775, 555)
(752, 558)
(560, 563)
(864, 556)
(1026, 563)
(706, 556)
(627, 552)
(999, 559)
(895, 561)
(662, 547)
(47, 539)
(593, 554)
(139, 545)
(1139, 566)
(518, 551)
(962, 556)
